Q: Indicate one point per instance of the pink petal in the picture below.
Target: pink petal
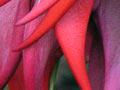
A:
(10, 36)
(37, 57)
(37, 10)
(108, 20)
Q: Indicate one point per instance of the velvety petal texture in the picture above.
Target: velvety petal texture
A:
(2, 2)
(17, 81)
(35, 33)
(40, 7)
(35, 61)
(95, 58)
(36, 58)
(108, 19)
(10, 37)
(71, 33)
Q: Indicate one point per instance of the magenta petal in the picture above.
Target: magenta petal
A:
(109, 23)
(17, 81)
(38, 9)
(37, 57)
(10, 37)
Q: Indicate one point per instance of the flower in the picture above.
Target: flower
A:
(37, 61)
(67, 22)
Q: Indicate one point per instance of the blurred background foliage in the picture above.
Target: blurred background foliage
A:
(64, 79)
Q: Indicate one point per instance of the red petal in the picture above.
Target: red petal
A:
(71, 33)
(54, 14)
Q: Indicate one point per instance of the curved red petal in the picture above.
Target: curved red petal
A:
(54, 14)
(71, 33)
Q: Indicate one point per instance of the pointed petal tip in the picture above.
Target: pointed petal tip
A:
(15, 50)
(36, 11)
(18, 48)
(27, 18)
(20, 22)
(21, 46)
(17, 23)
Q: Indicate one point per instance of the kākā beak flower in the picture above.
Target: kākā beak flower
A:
(75, 37)
(37, 60)
(67, 22)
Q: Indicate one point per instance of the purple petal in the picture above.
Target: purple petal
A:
(109, 22)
